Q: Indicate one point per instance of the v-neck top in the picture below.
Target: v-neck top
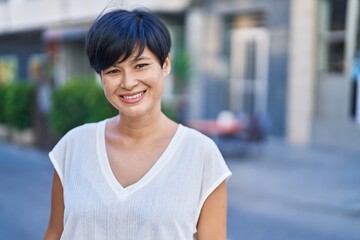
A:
(164, 204)
(108, 173)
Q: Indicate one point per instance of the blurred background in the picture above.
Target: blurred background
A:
(275, 83)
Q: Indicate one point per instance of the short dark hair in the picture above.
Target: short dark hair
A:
(121, 32)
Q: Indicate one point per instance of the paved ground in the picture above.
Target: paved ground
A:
(325, 179)
(280, 192)
(25, 185)
(284, 192)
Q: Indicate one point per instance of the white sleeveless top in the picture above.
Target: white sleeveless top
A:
(164, 204)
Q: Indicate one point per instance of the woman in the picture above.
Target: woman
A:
(138, 175)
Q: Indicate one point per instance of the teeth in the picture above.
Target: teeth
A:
(133, 96)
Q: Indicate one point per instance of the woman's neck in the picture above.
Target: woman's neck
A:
(140, 128)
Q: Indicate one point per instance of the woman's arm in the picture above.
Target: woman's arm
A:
(212, 220)
(55, 226)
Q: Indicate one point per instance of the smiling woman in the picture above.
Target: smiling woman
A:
(138, 175)
(135, 85)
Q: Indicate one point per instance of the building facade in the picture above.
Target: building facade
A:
(323, 104)
(31, 30)
(241, 56)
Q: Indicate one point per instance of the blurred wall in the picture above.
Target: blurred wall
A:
(21, 47)
(224, 77)
(325, 37)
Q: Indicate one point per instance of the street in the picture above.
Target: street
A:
(278, 193)
(292, 193)
(259, 217)
(25, 186)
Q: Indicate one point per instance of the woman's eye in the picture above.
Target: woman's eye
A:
(113, 71)
(141, 65)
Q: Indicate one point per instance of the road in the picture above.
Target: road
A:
(295, 193)
(25, 186)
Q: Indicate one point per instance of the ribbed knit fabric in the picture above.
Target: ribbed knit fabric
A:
(163, 205)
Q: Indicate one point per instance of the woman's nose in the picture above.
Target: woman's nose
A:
(129, 81)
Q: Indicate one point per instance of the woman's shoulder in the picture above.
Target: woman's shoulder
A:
(198, 138)
(84, 134)
(201, 148)
(85, 130)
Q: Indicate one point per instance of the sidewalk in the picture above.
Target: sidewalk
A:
(25, 190)
(311, 179)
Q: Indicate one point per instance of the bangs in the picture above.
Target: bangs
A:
(118, 35)
(123, 38)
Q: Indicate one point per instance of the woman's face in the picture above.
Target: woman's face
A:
(135, 86)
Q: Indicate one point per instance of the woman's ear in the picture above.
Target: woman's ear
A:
(167, 65)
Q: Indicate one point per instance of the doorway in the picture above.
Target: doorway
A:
(249, 54)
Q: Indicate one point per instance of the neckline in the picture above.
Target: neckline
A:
(108, 173)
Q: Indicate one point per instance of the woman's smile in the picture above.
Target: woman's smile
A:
(131, 98)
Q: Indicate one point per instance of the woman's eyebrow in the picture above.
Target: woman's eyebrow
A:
(140, 58)
(116, 64)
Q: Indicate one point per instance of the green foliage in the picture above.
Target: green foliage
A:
(3, 90)
(181, 69)
(77, 102)
(170, 111)
(19, 104)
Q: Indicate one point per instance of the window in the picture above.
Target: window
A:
(8, 68)
(355, 74)
(332, 35)
(337, 14)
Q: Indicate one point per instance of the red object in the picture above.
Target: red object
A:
(214, 128)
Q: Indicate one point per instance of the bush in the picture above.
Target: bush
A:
(77, 102)
(19, 104)
(170, 111)
(3, 90)
(181, 71)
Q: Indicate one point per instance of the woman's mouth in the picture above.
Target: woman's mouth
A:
(132, 98)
